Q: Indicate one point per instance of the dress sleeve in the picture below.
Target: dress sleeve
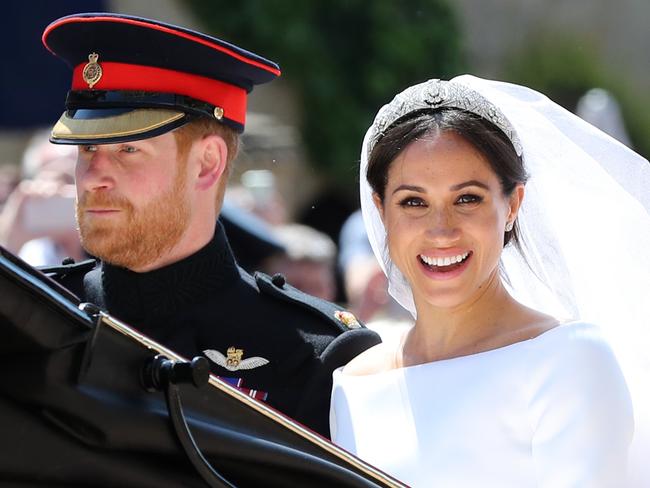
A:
(581, 413)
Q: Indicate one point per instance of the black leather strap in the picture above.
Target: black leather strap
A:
(202, 466)
(161, 373)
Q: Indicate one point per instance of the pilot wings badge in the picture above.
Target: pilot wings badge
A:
(233, 361)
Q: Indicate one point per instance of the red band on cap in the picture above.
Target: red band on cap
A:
(121, 76)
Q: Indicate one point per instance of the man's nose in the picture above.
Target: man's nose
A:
(95, 173)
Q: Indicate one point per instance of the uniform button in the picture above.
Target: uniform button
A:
(278, 280)
(67, 261)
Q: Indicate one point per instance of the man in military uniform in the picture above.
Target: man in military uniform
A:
(156, 111)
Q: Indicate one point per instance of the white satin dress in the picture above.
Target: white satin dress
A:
(553, 411)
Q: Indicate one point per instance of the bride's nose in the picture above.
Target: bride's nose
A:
(442, 226)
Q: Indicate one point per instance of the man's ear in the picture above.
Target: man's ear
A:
(212, 156)
(380, 206)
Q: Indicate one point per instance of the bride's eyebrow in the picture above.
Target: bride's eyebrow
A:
(460, 186)
(414, 188)
(456, 187)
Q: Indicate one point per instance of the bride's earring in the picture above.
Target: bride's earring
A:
(509, 225)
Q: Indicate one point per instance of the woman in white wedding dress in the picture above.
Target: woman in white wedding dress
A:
(487, 206)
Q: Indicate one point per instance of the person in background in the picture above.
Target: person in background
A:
(251, 238)
(488, 207)
(38, 221)
(601, 109)
(308, 260)
(366, 286)
(257, 193)
(155, 111)
(264, 200)
(9, 179)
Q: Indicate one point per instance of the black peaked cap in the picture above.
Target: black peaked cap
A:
(123, 63)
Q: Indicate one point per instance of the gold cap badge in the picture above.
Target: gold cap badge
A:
(347, 319)
(92, 72)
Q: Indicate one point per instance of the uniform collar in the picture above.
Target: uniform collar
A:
(140, 297)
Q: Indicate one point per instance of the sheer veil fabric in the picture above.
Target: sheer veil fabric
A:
(585, 225)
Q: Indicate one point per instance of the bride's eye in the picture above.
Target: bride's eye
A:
(469, 198)
(412, 202)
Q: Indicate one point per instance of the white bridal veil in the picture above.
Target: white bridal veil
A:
(585, 221)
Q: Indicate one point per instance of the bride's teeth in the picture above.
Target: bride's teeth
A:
(447, 261)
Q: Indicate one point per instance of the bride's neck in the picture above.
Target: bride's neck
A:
(444, 333)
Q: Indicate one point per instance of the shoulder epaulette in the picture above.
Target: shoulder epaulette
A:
(68, 267)
(278, 287)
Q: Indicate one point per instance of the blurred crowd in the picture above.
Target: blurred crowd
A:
(37, 204)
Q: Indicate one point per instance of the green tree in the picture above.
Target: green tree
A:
(344, 59)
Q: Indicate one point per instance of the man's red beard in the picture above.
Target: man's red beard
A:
(136, 238)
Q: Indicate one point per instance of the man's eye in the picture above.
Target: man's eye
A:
(468, 199)
(412, 202)
(129, 149)
(89, 148)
